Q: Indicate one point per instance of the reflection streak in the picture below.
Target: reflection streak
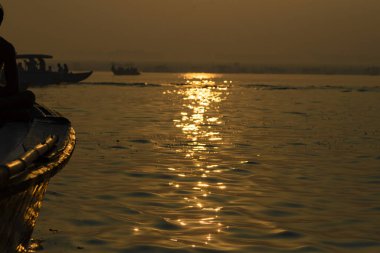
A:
(200, 122)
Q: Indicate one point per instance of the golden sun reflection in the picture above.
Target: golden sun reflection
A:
(200, 122)
(199, 76)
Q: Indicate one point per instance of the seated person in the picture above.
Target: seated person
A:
(11, 97)
(8, 62)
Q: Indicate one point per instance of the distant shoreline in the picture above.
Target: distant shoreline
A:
(366, 72)
(234, 68)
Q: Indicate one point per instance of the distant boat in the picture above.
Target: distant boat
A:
(35, 72)
(120, 71)
(35, 145)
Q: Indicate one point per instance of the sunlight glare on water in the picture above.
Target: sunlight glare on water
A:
(200, 122)
(216, 163)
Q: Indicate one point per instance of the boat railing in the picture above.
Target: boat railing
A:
(21, 164)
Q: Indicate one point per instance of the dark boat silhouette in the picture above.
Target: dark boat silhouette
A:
(34, 146)
(123, 71)
(37, 74)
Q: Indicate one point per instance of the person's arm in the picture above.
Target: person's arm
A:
(11, 71)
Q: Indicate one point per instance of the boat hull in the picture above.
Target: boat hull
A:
(21, 198)
(46, 78)
(18, 214)
(130, 71)
(126, 74)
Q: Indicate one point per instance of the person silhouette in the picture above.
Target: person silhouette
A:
(42, 65)
(60, 68)
(20, 67)
(65, 68)
(10, 95)
(8, 63)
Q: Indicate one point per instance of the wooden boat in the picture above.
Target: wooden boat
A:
(36, 74)
(35, 145)
(120, 71)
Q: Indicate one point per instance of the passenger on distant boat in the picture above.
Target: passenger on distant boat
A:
(31, 65)
(60, 69)
(65, 68)
(20, 67)
(42, 65)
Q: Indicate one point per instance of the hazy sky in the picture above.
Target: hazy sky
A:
(255, 31)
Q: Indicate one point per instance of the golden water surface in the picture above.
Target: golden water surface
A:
(216, 163)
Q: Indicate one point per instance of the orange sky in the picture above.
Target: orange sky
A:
(248, 31)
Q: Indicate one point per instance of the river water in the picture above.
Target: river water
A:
(216, 163)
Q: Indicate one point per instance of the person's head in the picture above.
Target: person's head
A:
(1, 14)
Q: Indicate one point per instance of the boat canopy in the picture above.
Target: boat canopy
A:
(33, 56)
